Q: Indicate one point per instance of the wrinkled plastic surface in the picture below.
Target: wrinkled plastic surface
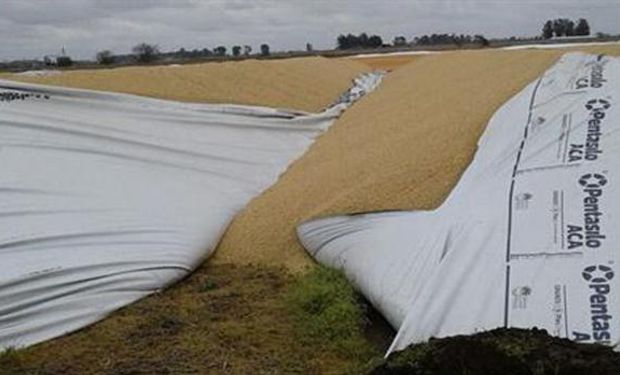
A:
(528, 237)
(106, 198)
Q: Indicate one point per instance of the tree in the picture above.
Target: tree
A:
(570, 28)
(558, 27)
(458, 41)
(344, 41)
(582, 28)
(480, 39)
(399, 41)
(360, 41)
(220, 51)
(105, 57)
(563, 27)
(146, 52)
(183, 53)
(264, 49)
(547, 31)
(63, 61)
(247, 50)
(374, 41)
(236, 51)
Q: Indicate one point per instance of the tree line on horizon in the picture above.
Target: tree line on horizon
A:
(458, 40)
(146, 53)
(562, 27)
(361, 41)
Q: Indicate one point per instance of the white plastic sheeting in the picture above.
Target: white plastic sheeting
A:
(528, 237)
(106, 198)
(559, 45)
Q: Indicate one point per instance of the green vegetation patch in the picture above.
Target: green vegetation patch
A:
(327, 312)
(223, 319)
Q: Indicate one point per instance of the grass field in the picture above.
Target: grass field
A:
(404, 146)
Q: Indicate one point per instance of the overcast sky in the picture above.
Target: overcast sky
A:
(33, 28)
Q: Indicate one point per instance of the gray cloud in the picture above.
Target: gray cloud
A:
(33, 28)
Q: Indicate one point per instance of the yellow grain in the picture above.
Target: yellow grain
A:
(402, 147)
(307, 84)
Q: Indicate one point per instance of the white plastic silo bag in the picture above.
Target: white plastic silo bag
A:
(528, 237)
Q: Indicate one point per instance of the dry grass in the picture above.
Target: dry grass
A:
(307, 84)
(224, 319)
(402, 147)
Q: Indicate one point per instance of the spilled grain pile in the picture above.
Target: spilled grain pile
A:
(402, 147)
(387, 63)
(303, 83)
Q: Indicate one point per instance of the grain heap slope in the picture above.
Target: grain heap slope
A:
(402, 147)
(308, 84)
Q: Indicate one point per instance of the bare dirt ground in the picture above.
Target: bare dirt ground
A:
(307, 84)
(402, 147)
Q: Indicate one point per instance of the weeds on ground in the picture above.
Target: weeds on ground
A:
(8, 354)
(328, 313)
(224, 319)
(10, 359)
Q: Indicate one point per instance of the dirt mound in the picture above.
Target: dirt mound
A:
(503, 351)
(402, 147)
(307, 84)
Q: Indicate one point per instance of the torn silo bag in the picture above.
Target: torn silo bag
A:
(106, 198)
(528, 237)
